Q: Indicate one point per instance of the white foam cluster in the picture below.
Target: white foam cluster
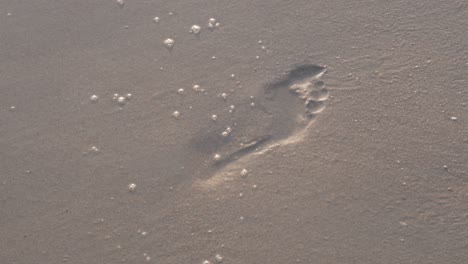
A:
(169, 43)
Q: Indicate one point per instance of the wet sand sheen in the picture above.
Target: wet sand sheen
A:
(211, 132)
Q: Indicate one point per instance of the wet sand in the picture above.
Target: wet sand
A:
(345, 132)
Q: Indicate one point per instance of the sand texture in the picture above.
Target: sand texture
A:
(266, 131)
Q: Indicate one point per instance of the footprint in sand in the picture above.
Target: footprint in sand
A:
(281, 113)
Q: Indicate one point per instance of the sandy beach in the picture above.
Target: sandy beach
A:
(231, 132)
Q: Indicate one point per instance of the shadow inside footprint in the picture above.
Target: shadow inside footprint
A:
(282, 109)
(299, 74)
(290, 100)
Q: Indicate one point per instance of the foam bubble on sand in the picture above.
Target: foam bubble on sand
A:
(121, 100)
(94, 149)
(197, 88)
(195, 29)
(244, 172)
(120, 3)
(211, 22)
(219, 258)
(169, 43)
(226, 132)
(217, 157)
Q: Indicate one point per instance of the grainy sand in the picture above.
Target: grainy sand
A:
(346, 142)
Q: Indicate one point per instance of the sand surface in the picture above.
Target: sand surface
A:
(340, 132)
